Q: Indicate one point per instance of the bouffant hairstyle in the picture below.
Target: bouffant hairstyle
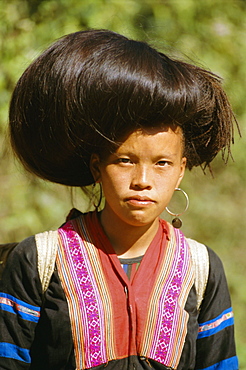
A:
(91, 88)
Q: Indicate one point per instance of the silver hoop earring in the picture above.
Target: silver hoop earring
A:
(177, 222)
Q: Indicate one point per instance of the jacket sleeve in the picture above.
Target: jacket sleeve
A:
(20, 306)
(215, 341)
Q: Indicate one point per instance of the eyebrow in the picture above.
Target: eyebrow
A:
(163, 156)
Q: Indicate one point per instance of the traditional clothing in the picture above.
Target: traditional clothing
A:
(92, 315)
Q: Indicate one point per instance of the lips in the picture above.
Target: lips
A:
(139, 200)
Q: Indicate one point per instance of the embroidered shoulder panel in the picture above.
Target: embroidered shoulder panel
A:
(88, 298)
(166, 325)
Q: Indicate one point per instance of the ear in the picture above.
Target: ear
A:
(182, 170)
(95, 167)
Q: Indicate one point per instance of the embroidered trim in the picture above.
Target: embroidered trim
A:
(166, 325)
(213, 326)
(89, 303)
(15, 306)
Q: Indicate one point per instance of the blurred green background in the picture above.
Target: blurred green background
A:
(210, 33)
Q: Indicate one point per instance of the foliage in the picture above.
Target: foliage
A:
(210, 33)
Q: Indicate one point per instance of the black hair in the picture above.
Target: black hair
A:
(90, 88)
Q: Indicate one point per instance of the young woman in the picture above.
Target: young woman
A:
(124, 289)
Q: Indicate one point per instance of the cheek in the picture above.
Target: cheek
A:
(168, 180)
(112, 181)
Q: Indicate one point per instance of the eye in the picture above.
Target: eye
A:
(123, 160)
(163, 163)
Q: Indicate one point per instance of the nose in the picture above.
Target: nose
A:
(141, 178)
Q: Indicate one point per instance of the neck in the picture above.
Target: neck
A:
(127, 240)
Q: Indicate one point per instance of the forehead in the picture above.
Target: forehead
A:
(161, 137)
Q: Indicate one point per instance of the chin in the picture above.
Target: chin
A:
(141, 221)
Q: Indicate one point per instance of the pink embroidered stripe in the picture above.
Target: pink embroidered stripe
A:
(86, 303)
(167, 325)
(78, 278)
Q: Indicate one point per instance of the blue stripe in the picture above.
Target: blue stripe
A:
(218, 317)
(221, 326)
(20, 308)
(8, 350)
(228, 364)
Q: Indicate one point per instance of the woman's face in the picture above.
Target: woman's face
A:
(139, 179)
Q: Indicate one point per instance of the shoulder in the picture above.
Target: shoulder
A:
(217, 277)
(5, 251)
(209, 271)
(201, 253)
(215, 261)
(19, 252)
(20, 256)
(20, 277)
